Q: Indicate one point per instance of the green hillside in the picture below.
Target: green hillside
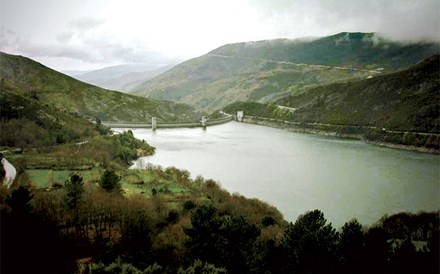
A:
(269, 70)
(400, 108)
(28, 122)
(212, 81)
(62, 92)
(406, 100)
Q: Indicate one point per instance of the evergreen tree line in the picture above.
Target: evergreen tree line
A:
(57, 231)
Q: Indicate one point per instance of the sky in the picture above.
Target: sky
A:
(87, 35)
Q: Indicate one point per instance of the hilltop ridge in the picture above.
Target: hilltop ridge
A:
(348, 49)
(265, 71)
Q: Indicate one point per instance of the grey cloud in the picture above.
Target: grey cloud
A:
(64, 37)
(11, 42)
(56, 51)
(86, 23)
(111, 50)
(87, 39)
(78, 27)
(96, 50)
(397, 19)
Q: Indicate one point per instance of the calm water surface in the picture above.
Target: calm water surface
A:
(300, 172)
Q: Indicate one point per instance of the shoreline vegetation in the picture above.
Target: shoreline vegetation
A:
(351, 132)
(111, 219)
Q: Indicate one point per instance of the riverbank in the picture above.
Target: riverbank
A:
(370, 135)
(279, 167)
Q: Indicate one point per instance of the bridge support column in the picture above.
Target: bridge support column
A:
(203, 122)
(240, 115)
(153, 123)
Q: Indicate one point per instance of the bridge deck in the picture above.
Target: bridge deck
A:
(165, 125)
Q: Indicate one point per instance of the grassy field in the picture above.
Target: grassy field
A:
(145, 182)
(133, 182)
(43, 177)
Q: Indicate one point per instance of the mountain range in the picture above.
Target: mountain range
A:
(121, 77)
(28, 78)
(265, 71)
(309, 74)
(407, 100)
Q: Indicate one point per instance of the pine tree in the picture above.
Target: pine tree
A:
(110, 181)
(75, 191)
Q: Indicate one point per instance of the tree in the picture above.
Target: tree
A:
(20, 202)
(75, 190)
(110, 181)
(240, 238)
(434, 253)
(29, 240)
(310, 244)
(136, 233)
(225, 241)
(351, 246)
(377, 251)
(206, 242)
(404, 258)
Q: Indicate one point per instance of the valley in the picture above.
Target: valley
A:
(232, 197)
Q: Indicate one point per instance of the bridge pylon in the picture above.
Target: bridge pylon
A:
(240, 115)
(153, 123)
(203, 121)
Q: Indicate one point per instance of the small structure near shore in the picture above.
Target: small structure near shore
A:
(240, 115)
(153, 123)
(203, 121)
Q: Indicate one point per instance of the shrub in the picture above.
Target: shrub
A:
(201, 267)
(188, 205)
(173, 217)
(120, 266)
(110, 181)
(268, 220)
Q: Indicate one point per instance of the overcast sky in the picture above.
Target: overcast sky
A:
(83, 35)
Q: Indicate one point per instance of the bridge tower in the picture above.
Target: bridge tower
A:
(153, 123)
(203, 121)
(240, 115)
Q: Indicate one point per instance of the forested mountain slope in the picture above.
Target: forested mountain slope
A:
(265, 71)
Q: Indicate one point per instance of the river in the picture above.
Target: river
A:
(300, 172)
